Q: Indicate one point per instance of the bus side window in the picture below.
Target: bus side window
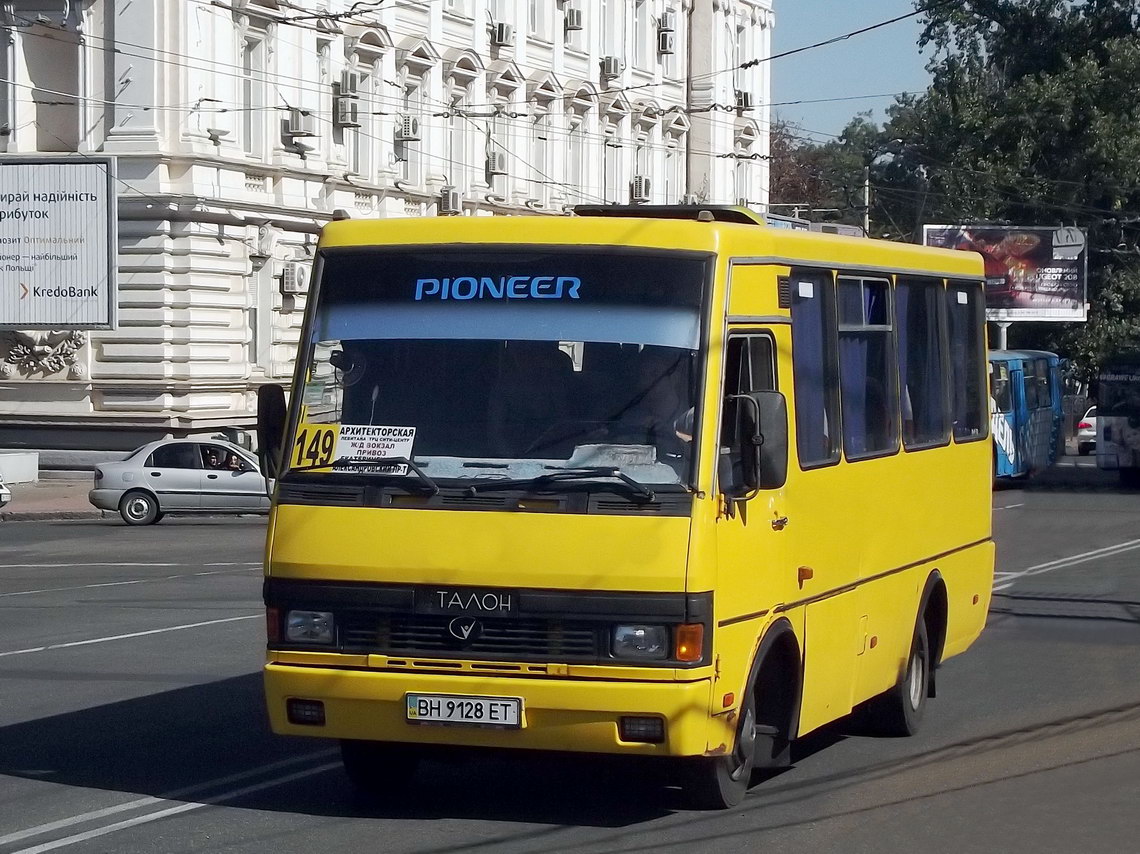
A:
(814, 369)
(750, 365)
(867, 373)
(922, 365)
(965, 312)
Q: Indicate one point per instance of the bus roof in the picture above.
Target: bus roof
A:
(751, 241)
(1024, 355)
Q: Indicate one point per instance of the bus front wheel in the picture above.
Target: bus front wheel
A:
(898, 712)
(719, 782)
(379, 769)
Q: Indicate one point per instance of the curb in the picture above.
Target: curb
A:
(49, 515)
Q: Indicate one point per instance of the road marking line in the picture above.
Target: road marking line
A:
(1065, 562)
(124, 583)
(74, 565)
(181, 808)
(41, 829)
(126, 636)
(1009, 507)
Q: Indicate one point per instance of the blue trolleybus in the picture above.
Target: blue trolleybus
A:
(1025, 411)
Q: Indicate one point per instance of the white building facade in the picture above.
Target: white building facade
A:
(241, 126)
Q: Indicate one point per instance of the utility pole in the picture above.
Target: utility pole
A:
(867, 200)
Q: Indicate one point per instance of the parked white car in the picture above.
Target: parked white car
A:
(1086, 433)
(180, 476)
(5, 492)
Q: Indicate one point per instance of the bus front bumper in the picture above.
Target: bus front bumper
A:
(557, 714)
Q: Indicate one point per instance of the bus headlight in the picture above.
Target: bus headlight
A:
(646, 642)
(309, 626)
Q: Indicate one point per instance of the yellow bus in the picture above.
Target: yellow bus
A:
(656, 482)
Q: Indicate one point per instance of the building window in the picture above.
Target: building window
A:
(458, 126)
(867, 372)
(611, 166)
(613, 27)
(674, 174)
(814, 369)
(576, 158)
(362, 141)
(538, 18)
(540, 156)
(641, 34)
(408, 151)
(253, 95)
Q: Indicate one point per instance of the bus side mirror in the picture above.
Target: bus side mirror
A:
(773, 467)
(762, 433)
(271, 416)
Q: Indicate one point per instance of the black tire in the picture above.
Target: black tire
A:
(720, 782)
(139, 507)
(898, 712)
(379, 769)
(1084, 449)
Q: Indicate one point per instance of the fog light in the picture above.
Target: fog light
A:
(305, 712)
(309, 626)
(646, 729)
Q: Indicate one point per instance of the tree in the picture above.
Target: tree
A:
(1032, 118)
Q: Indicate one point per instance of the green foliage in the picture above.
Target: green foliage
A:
(1032, 118)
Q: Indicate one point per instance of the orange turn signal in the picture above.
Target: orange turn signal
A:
(690, 641)
(272, 625)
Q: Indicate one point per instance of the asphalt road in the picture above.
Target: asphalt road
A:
(131, 717)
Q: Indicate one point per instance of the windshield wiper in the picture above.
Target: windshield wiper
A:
(562, 475)
(360, 462)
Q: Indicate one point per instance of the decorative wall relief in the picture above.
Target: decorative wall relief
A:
(41, 354)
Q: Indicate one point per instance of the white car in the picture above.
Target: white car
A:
(1086, 433)
(180, 476)
(5, 492)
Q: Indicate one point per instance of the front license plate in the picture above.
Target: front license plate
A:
(464, 711)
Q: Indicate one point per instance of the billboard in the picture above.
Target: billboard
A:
(1031, 273)
(58, 255)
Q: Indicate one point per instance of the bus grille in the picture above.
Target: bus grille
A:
(526, 639)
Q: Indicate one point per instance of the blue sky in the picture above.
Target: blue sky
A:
(882, 61)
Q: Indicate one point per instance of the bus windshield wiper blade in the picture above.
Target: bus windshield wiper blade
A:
(562, 475)
(360, 462)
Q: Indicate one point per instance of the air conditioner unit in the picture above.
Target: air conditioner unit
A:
(407, 128)
(497, 163)
(502, 35)
(743, 100)
(666, 42)
(690, 199)
(573, 19)
(450, 202)
(349, 83)
(300, 123)
(346, 113)
(295, 277)
(611, 66)
(667, 23)
(742, 202)
(639, 190)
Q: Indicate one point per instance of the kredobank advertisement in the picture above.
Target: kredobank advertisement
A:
(1031, 273)
(57, 243)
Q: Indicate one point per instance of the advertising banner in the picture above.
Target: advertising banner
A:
(1031, 273)
(58, 255)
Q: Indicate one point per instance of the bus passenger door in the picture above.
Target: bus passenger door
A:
(750, 531)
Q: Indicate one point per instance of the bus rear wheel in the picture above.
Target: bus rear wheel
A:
(720, 782)
(898, 712)
(379, 768)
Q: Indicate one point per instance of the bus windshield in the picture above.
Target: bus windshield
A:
(1119, 392)
(513, 363)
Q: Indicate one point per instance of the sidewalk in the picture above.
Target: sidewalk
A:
(49, 499)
